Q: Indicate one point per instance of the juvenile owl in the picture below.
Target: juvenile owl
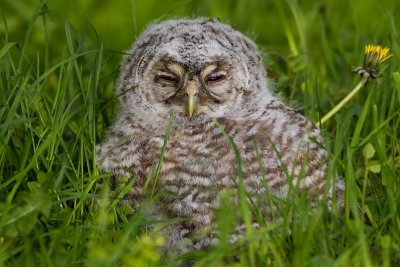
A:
(188, 72)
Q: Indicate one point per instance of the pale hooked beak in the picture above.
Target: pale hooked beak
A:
(191, 102)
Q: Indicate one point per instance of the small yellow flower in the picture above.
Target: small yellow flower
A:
(374, 55)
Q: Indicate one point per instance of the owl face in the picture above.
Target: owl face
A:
(181, 80)
(194, 69)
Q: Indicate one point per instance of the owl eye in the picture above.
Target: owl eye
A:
(215, 77)
(167, 77)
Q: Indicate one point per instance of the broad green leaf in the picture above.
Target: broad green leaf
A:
(374, 166)
(368, 151)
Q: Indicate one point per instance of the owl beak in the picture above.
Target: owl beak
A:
(191, 102)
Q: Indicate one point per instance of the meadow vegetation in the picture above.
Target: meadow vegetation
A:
(58, 64)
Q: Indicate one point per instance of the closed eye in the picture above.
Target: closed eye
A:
(215, 77)
(167, 77)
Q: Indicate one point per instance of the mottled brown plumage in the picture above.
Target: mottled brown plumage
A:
(193, 71)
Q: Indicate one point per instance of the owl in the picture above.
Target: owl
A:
(190, 91)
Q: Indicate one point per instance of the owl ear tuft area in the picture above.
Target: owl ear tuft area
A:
(245, 71)
(139, 64)
(130, 69)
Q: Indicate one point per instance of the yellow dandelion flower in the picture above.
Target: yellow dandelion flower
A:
(374, 55)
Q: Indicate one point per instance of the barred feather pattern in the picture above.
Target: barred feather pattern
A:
(198, 161)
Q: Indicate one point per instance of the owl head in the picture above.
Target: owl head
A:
(194, 69)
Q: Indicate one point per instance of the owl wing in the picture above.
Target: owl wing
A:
(279, 147)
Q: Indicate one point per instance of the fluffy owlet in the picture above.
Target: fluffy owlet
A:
(189, 72)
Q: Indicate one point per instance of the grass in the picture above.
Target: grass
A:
(56, 208)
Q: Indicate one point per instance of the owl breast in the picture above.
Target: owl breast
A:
(192, 174)
(199, 162)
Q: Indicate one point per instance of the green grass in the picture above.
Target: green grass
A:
(56, 100)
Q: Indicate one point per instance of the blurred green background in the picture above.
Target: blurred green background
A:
(118, 22)
(309, 45)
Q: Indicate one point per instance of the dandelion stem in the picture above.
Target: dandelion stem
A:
(345, 100)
